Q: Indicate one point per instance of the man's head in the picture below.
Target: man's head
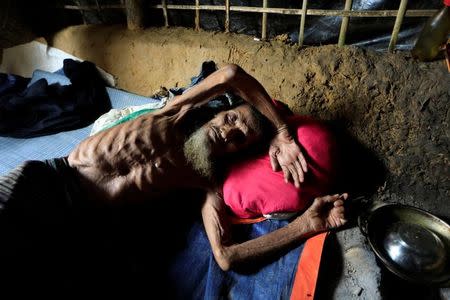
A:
(228, 132)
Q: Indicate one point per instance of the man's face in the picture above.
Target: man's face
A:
(228, 132)
(232, 130)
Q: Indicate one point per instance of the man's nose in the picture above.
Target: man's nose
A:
(228, 133)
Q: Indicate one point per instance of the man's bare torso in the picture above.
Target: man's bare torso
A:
(135, 160)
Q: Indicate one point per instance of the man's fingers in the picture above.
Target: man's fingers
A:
(336, 198)
(338, 203)
(329, 198)
(274, 163)
(286, 173)
(344, 196)
(301, 176)
(302, 161)
(294, 176)
(342, 221)
(339, 210)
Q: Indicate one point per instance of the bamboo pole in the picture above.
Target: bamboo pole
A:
(98, 5)
(90, 7)
(5, 16)
(99, 9)
(282, 11)
(264, 22)
(310, 12)
(166, 15)
(344, 25)
(397, 25)
(301, 33)
(135, 14)
(227, 15)
(197, 15)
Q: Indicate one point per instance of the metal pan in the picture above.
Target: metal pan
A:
(411, 243)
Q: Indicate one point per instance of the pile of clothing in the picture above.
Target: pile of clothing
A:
(38, 108)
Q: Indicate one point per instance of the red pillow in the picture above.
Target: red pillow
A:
(252, 189)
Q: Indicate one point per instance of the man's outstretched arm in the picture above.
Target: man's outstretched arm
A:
(284, 152)
(325, 213)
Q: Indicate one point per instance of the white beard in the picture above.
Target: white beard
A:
(197, 151)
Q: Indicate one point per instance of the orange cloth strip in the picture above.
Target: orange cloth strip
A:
(236, 220)
(305, 281)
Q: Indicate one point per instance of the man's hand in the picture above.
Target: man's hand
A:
(285, 154)
(325, 213)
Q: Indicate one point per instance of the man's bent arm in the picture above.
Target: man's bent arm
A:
(229, 255)
(284, 153)
(231, 78)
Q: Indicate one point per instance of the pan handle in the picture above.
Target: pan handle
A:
(362, 222)
(363, 218)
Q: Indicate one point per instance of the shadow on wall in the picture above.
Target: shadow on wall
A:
(21, 21)
(360, 173)
(13, 29)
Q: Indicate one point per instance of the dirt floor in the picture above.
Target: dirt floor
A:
(394, 106)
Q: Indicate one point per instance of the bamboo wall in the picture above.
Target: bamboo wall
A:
(134, 15)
